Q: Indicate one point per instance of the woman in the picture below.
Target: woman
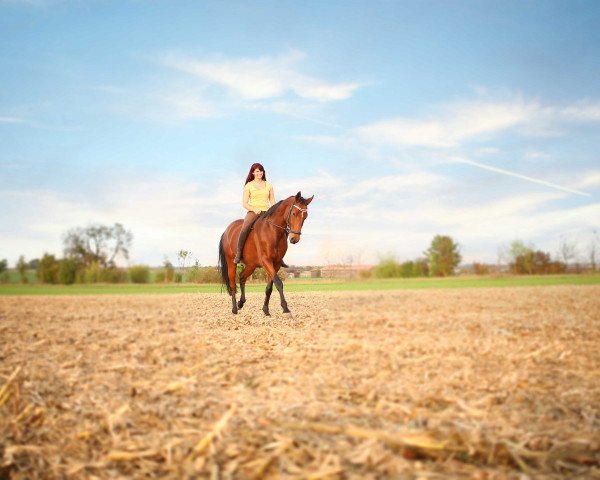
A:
(258, 197)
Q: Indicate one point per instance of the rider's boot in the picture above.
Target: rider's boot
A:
(241, 240)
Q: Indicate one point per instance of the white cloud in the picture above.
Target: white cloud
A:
(167, 102)
(262, 78)
(187, 106)
(352, 215)
(12, 120)
(586, 111)
(296, 109)
(487, 151)
(536, 155)
(164, 214)
(589, 179)
(453, 125)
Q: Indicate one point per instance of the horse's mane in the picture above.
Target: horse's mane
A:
(275, 207)
(272, 209)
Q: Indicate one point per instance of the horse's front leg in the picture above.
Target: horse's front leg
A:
(231, 277)
(234, 308)
(268, 292)
(279, 285)
(272, 273)
(244, 274)
(243, 289)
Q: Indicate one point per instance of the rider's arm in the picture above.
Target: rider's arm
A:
(271, 197)
(246, 199)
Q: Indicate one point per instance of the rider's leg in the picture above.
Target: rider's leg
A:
(248, 221)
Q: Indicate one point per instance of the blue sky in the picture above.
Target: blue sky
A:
(479, 120)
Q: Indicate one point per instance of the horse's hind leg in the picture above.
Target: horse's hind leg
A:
(268, 292)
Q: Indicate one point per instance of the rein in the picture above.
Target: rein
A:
(287, 229)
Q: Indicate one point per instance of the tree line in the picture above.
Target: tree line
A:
(443, 257)
(440, 260)
(90, 256)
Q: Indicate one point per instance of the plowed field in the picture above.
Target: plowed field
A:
(470, 383)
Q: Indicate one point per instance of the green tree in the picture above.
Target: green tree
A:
(21, 267)
(48, 269)
(388, 267)
(421, 268)
(67, 271)
(4, 276)
(443, 256)
(407, 269)
(536, 263)
(98, 244)
(521, 257)
(33, 263)
(165, 274)
(139, 274)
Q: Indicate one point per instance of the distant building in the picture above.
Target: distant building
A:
(344, 271)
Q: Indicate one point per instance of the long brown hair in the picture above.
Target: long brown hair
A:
(254, 166)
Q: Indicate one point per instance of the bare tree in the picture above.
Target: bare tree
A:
(567, 249)
(182, 256)
(594, 249)
(98, 243)
(503, 257)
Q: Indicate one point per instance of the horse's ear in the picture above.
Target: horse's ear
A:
(308, 200)
(298, 196)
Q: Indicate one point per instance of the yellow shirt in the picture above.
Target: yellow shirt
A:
(259, 197)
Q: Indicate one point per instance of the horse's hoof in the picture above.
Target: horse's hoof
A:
(234, 311)
(240, 304)
(286, 310)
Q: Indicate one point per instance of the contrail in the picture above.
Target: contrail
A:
(314, 120)
(522, 177)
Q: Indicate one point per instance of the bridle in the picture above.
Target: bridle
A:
(287, 229)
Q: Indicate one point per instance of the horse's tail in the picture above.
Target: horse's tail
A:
(222, 266)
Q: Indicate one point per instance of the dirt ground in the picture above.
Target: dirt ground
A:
(473, 383)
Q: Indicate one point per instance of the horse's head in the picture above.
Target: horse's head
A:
(296, 215)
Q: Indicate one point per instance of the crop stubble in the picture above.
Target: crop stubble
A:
(476, 383)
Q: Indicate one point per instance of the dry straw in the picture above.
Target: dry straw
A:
(487, 383)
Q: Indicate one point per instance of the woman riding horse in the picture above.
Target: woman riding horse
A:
(266, 247)
(258, 196)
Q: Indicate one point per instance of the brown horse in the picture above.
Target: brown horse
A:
(265, 247)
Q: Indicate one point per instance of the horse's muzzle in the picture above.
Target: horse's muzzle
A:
(294, 238)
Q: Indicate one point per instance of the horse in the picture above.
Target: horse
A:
(265, 247)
